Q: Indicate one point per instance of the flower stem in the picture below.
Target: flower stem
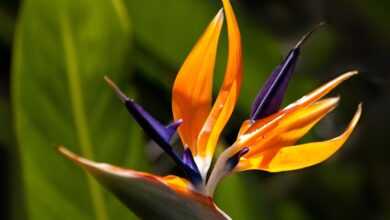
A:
(220, 170)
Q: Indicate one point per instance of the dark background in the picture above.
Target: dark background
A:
(352, 185)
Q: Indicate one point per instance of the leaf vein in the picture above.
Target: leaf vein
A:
(79, 114)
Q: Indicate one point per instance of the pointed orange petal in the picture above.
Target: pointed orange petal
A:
(304, 101)
(293, 126)
(249, 132)
(311, 113)
(150, 196)
(244, 127)
(286, 128)
(192, 89)
(227, 97)
(319, 92)
(299, 156)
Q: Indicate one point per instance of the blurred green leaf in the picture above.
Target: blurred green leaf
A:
(288, 210)
(376, 14)
(238, 199)
(62, 51)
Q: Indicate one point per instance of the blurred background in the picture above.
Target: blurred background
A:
(54, 54)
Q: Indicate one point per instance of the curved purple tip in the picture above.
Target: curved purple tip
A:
(308, 34)
(171, 129)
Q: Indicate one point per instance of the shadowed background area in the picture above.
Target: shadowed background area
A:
(142, 44)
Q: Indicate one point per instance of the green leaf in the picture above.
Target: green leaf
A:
(148, 195)
(62, 51)
(239, 199)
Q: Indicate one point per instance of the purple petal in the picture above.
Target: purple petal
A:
(233, 161)
(171, 129)
(188, 159)
(270, 98)
(159, 134)
(156, 131)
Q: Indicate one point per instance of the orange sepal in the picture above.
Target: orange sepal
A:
(293, 126)
(288, 158)
(192, 89)
(227, 97)
(250, 131)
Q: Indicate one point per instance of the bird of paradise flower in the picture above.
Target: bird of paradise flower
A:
(266, 141)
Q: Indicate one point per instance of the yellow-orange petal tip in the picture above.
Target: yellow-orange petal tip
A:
(352, 72)
(69, 155)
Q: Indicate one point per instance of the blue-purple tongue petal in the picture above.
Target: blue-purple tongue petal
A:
(160, 134)
(147, 121)
(156, 131)
(188, 159)
(233, 160)
(271, 95)
(270, 98)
